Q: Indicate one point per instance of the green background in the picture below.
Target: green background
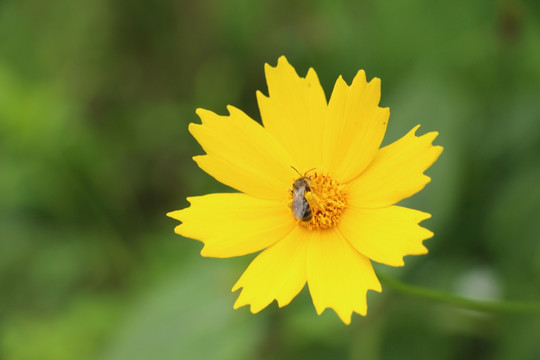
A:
(95, 100)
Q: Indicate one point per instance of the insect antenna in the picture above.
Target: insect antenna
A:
(299, 171)
(296, 170)
(309, 171)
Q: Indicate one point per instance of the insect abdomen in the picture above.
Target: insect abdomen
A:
(307, 212)
(300, 206)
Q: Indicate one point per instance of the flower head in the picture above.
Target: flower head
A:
(326, 228)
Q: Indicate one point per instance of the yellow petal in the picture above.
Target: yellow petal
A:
(396, 172)
(278, 273)
(338, 276)
(387, 234)
(355, 127)
(233, 224)
(294, 112)
(242, 154)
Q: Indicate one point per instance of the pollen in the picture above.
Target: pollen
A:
(327, 200)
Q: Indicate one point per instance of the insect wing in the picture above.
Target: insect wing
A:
(300, 206)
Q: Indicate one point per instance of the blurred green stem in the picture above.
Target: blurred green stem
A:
(516, 307)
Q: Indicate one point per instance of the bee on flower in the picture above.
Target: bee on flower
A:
(324, 227)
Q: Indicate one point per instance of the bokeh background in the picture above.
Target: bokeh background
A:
(95, 100)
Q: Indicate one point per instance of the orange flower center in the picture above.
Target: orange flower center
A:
(327, 200)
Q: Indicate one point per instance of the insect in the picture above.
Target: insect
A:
(300, 206)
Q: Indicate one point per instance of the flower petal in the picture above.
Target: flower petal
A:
(338, 276)
(396, 172)
(387, 234)
(242, 154)
(355, 126)
(278, 273)
(294, 112)
(233, 224)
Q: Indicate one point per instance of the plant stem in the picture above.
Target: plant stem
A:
(515, 307)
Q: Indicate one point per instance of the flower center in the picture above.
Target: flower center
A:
(326, 199)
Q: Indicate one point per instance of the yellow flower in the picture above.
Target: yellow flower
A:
(351, 188)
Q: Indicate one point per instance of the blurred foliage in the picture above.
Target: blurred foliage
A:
(95, 99)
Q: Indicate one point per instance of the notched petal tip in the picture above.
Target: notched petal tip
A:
(422, 216)
(360, 76)
(236, 287)
(341, 82)
(256, 309)
(179, 230)
(312, 80)
(420, 249)
(340, 89)
(311, 72)
(208, 117)
(268, 69)
(236, 306)
(428, 235)
(207, 251)
(376, 286)
(281, 303)
(376, 79)
(345, 317)
(347, 320)
(199, 159)
(426, 179)
(174, 214)
(414, 129)
(430, 136)
(194, 128)
(253, 308)
(204, 112)
(376, 82)
(372, 87)
(283, 60)
(240, 303)
(260, 97)
(233, 110)
(384, 115)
